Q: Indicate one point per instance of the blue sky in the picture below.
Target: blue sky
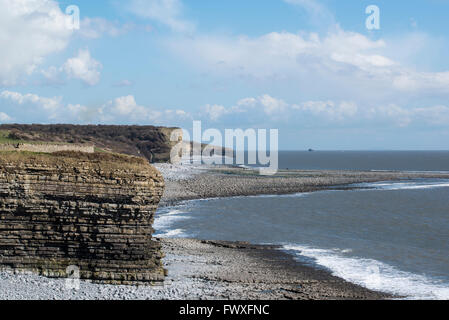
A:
(309, 68)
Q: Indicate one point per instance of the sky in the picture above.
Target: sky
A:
(310, 68)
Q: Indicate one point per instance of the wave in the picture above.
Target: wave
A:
(373, 274)
(176, 233)
(409, 185)
(164, 221)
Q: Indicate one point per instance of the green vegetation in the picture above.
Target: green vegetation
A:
(150, 142)
(5, 137)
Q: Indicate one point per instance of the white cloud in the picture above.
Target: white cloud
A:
(215, 112)
(30, 30)
(83, 67)
(248, 102)
(269, 110)
(328, 109)
(120, 110)
(126, 108)
(334, 63)
(48, 104)
(284, 53)
(265, 104)
(272, 106)
(421, 116)
(422, 81)
(263, 109)
(166, 12)
(53, 76)
(4, 117)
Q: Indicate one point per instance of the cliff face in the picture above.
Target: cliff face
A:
(93, 211)
(148, 141)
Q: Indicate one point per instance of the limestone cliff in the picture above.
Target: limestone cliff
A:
(94, 211)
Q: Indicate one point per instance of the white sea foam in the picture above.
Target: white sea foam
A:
(411, 185)
(176, 233)
(375, 275)
(164, 221)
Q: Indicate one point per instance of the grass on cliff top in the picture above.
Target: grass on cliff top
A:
(7, 138)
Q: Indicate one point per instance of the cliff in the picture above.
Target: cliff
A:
(93, 211)
(151, 142)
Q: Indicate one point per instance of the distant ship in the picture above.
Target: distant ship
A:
(311, 150)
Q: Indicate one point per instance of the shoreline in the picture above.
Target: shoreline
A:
(227, 182)
(204, 270)
(215, 183)
(240, 270)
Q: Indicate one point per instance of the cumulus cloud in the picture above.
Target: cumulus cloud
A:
(119, 110)
(272, 106)
(274, 111)
(165, 12)
(83, 67)
(48, 104)
(265, 104)
(30, 31)
(127, 108)
(215, 112)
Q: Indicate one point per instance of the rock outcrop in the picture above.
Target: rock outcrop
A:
(92, 211)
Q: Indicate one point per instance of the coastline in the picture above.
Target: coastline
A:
(198, 183)
(225, 182)
(204, 270)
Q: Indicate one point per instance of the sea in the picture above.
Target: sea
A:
(390, 236)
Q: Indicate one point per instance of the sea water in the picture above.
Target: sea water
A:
(388, 236)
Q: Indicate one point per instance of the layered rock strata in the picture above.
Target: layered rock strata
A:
(91, 211)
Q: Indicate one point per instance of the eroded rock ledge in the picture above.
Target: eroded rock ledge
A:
(94, 211)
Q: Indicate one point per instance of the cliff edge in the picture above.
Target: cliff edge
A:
(91, 211)
(150, 142)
